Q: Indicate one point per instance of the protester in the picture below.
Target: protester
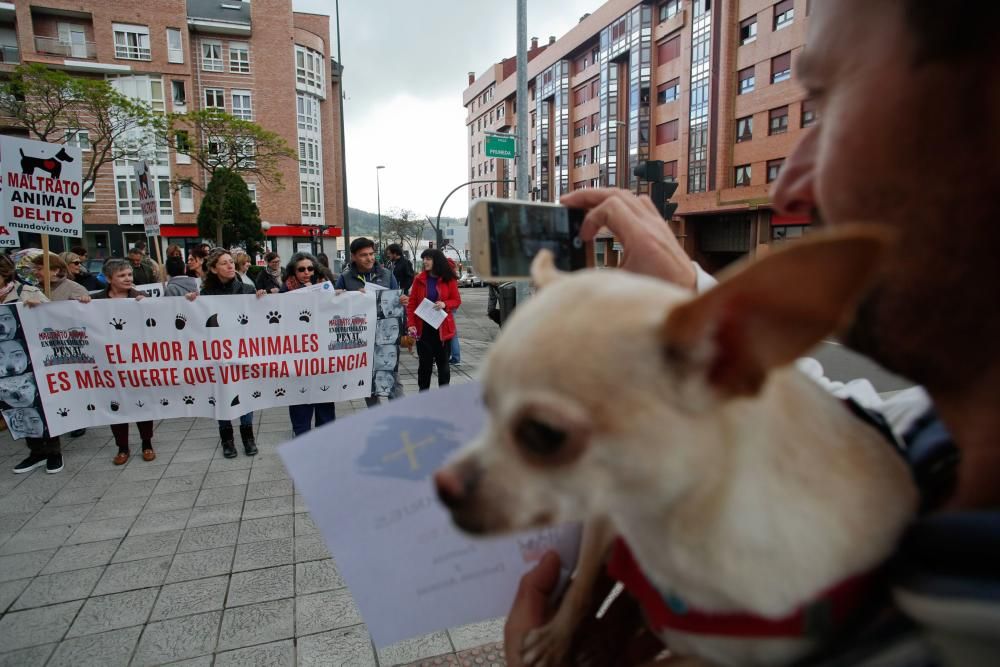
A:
(178, 282)
(323, 267)
(437, 283)
(242, 264)
(302, 272)
(174, 250)
(43, 451)
(90, 281)
(61, 287)
(196, 262)
(455, 350)
(143, 271)
(270, 279)
(121, 286)
(932, 318)
(76, 272)
(402, 268)
(220, 280)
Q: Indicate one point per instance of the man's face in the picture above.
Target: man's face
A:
(135, 258)
(901, 143)
(364, 258)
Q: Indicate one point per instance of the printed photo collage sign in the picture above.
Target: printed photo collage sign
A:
(20, 402)
(389, 327)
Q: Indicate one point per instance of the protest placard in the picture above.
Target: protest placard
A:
(121, 360)
(149, 289)
(147, 199)
(41, 187)
(19, 400)
(390, 325)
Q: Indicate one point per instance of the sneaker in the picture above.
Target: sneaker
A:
(54, 464)
(29, 464)
(77, 433)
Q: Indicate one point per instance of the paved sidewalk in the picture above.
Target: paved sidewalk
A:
(193, 559)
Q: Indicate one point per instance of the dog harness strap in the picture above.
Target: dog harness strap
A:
(667, 612)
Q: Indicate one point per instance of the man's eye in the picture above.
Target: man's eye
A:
(538, 438)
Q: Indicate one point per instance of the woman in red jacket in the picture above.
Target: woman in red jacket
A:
(438, 283)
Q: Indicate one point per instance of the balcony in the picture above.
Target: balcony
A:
(9, 54)
(76, 49)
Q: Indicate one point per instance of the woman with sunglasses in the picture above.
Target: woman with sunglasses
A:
(303, 271)
(76, 272)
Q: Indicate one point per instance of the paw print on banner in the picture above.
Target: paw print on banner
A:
(180, 321)
(280, 391)
(273, 317)
(150, 322)
(305, 316)
(164, 402)
(114, 406)
(256, 394)
(188, 400)
(242, 319)
(91, 407)
(361, 383)
(118, 324)
(302, 390)
(211, 400)
(62, 412)
(325, 388)
(139, 404)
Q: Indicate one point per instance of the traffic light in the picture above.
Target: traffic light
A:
(660, 191)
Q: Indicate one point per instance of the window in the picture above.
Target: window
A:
(241, 105)
(78, 138)
(667, 92)
(92, 195)
(744, 129)
(747, 80)
(211, 56)
(309, 70)
(580, 128)
(669, 9)
(178, 93)
(252, 187)
(666, 132)
(580, 158)
(187, 198)
(668, 49)
(580, 95)
(781, 67)
(182, 147)
(131, 42)
(215, 99)
(784, 14)
(777, 120)
(595, 154)
(773, 169)
(308, 112)
(175, 46)
(73, 41)
(670, 170)
(785, 232)
(742, 176)
(808, 113)
(748, 30)
(239, 57)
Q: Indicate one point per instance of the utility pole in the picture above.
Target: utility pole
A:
(523, 144)
(343, 146)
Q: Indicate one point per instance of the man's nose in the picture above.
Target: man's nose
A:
(794, 191)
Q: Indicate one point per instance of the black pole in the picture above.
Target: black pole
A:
(437, 225)
(343, 143)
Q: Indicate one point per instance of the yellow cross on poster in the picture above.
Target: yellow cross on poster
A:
(409, 450)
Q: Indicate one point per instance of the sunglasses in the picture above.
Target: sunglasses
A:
(304, 269)
(77, 262)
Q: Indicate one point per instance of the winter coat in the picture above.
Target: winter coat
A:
(447, 292)
(181, 285)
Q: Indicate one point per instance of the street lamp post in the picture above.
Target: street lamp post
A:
(378, 199)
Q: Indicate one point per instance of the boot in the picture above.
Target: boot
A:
(228, 446)
(249, 445)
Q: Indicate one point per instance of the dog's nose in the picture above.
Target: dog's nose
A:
(450, 488)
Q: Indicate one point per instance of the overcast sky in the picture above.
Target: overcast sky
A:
(406, 67)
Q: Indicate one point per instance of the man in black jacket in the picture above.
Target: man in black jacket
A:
(401, 267)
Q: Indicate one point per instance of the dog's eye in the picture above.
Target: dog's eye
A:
(538, 438)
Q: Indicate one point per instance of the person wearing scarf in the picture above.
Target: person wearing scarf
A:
(269, 279)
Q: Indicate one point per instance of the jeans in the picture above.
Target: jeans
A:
(245, 420)
(44, 446)
(302, 416)
(456, 351)
(120, 431)
(431, 351)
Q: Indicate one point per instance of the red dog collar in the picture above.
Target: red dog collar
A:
(816, 619)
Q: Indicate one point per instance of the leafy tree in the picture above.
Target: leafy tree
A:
(227, 213)
(56, 107)
(216, 140)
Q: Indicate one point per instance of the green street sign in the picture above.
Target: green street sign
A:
(501, 146)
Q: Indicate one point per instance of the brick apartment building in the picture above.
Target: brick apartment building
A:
(259, 61)
(704, 86)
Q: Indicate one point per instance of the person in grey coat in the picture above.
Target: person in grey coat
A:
(179, 283)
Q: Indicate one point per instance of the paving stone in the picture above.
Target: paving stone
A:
(34, 627)
(10, 590)
(36, 656)
(200, 661)
(136, 547)
(61, 587)
(267, 528)
(36, 539)
(225, 465)
(177, 639)
(188, 454)
(11, 523)
(304, 525)
(347, 646)
(272, 489)
(108, 649)
(20, 566)
(255, 555)
(300, 504)
(105, 529)
(75, 495)
(269, 473)
(201, 564)
(176, 469)
(134, 574)
(220, 495)
(167, 502)
(226, 478)
(190, 597)
(310, 547)
(158, 522)
(178, 484)
(142, 473)
(214, 514)
(64, 515)
(490, 654)
(446, 660)
(329, 610)
(417, 648)
(110, 612)
(257, 624)
(129, 491)
(316, 576)
(209, 537)
(276, 654)
(81, 556)
(272, 583)
(114, 509)
(476, 634)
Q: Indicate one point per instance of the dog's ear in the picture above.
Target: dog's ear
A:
(767, 313)
(543, 269)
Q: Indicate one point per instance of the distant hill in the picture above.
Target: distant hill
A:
(364, 223)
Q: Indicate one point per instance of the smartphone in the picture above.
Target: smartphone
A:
(506, 234)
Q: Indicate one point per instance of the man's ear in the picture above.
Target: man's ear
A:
(768, 312)
(543, 269)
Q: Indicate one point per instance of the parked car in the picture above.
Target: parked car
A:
(470, 280)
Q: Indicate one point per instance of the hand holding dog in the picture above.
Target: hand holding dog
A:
(650, 248)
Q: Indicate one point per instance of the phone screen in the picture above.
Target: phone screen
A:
(518, 231)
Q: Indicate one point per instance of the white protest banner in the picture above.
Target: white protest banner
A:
(121, 360)
(41, 187)
(409, 569)
(147, 199)
(150, 289)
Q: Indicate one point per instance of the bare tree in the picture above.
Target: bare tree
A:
(404, 227)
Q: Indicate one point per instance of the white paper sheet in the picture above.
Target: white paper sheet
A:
(367, 482)
(429, 314)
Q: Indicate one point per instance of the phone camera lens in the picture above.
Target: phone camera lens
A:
(577, 242)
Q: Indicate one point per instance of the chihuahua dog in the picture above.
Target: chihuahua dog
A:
(746, 497)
